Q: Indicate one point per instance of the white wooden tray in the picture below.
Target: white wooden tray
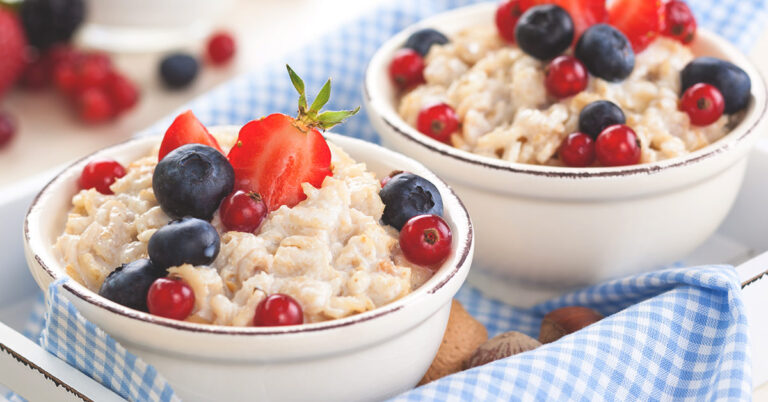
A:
(37, 375)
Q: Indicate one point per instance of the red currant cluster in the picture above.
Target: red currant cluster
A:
(617, 145)
(89, 80)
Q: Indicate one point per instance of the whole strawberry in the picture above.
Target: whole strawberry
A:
(275, 155)
(12, 49)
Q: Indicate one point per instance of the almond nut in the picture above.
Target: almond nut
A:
(566, 320)
(502, 346)
(462, 337)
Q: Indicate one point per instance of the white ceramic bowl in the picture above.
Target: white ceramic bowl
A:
(367, 356)
(542, 230)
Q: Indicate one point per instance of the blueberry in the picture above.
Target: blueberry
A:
(178, 70)
(732, 81)
(606, 53)
(423, 39)
(186, 241)
(544, 31)
(192, 180)
(407, 195)
(596, 116)
(129, 284)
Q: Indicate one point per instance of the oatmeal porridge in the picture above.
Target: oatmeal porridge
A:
(329, 252)
(496, 100)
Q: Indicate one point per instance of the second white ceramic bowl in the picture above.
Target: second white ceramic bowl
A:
(368, 356)
(543, 230)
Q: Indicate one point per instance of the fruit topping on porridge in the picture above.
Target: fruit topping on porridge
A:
(570, 83)
(273, 227)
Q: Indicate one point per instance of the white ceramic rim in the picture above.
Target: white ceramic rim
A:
(389, 116)
(441, 278)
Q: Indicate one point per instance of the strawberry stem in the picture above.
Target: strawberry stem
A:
(309, 117)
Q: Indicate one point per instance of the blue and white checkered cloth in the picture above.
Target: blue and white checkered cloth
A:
(673, 334)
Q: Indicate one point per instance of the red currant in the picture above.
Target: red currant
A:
(617, 145)
(566, 76)
(438, 121)
(577, 150)
(93, 71)
(7, 129)
(221, 47)
(65, 78)
(426, 240)
(242, 212)
(407, 69)
(100, 174)
(94, 105)
(507, 15)
(170, 298)
(277, 310)
(703, 103)
(121, 91)
(679, 22)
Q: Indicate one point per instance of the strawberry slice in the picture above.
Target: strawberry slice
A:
(641, 21)
(273, 156)
(584, 13)
(186, 129)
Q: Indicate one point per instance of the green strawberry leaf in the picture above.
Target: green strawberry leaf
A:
(298, 83)
(321, 99)
(327, 120)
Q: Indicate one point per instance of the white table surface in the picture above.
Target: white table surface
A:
(50, 135)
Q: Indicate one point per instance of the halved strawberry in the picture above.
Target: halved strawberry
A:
(641, 21)
(186, 129)
(584, 13)
(13, 45)
(273, 156)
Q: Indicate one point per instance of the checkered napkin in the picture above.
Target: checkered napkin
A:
(677, 334)
(674, 334)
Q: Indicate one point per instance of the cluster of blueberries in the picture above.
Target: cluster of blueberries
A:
(189, 184)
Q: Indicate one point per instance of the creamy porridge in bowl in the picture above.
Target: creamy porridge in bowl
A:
(317, 280)
(330, 252)
(477, 70)
(551, 217)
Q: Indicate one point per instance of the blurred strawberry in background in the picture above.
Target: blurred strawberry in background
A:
(13, 46)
